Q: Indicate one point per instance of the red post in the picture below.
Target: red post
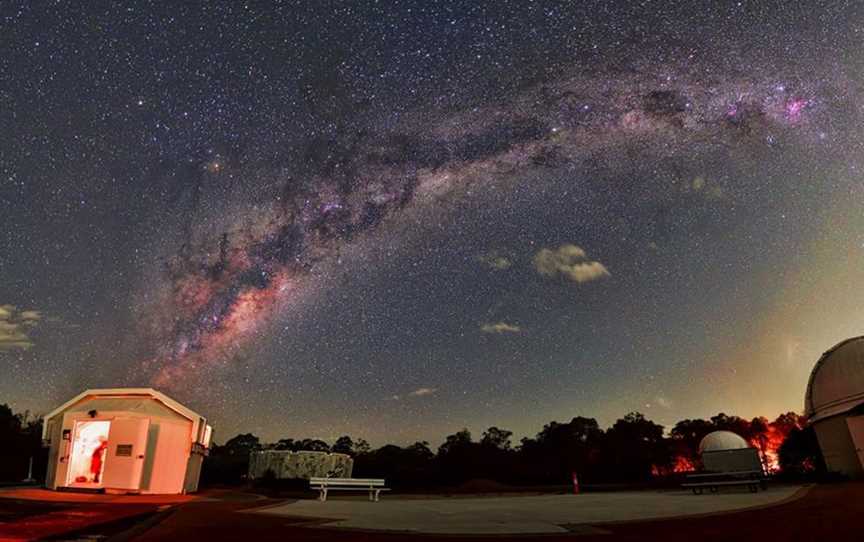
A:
(575, 484)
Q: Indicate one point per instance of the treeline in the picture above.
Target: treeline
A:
(20, 439)
(633, 450)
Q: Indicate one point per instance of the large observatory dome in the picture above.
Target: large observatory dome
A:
(722, 440)
(837, 382)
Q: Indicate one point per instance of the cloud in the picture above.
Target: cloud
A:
(496, 261)
(420, 392)
(570, 261)
(14, 325)
(663, 402)
(500, 327)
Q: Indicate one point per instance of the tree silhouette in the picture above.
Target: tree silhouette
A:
(21, 438)
(800, 453)
(560, 449)
(343, 445)
(635, 447)
(497, 438)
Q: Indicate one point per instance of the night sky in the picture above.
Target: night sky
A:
(397, 219)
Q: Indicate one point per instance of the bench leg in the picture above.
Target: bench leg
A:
(323, 495)
(377, 494)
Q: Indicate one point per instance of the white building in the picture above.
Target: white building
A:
(834, 405)
(303, 465)
(716, 441)
(127, 440)
(725, 451)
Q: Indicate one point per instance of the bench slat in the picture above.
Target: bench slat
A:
(373, 485)
(723, 483)
(347, 486)
(731, 473)
(346, 481)
(354, 488)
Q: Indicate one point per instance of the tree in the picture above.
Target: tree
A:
(785, 423)
(800, 453)
(343, 445)
(412, 466)
(312, 445)
(691, 432)
(561, 449)
(242, 444)
(686, 436)
(739, 426)
(21, 438)
(421, 450)
(10, 423)
(455, 442)
(361, 447)
(635, 448)
(229, 463)
(286, 444)
(461, 459)
(497, 438)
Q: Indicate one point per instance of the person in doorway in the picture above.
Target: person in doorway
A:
(97, 458)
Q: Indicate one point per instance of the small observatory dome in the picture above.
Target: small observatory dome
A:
(837, 381)
(722, 440)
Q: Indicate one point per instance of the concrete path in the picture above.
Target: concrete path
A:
(521, 515)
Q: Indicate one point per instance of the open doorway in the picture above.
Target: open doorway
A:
(87, 459)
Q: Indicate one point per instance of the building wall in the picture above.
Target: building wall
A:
(171, 443)
(837, 446)
(745, 459)
(54, 433)
(168, 449)
(193, 471)
(300, 465)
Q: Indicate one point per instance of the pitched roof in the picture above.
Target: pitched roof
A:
(130, 393)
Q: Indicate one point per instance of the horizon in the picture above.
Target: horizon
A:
(475, 432)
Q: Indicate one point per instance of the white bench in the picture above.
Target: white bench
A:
(753, 479)
(373, 485)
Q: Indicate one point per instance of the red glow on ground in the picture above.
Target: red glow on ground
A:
(83, 511)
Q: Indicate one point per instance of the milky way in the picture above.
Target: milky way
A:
(222, 292)
(399, 218)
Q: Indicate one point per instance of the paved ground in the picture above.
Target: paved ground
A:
(519, 514)
(829, 512)
(826, 512)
